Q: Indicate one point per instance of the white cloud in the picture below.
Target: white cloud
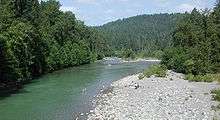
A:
(189, 6)
(109, 11)
(72, 9)
(199, 3)
(123, 0)
(185, 7)
(116, 0)
(88, 1)
(162, 3)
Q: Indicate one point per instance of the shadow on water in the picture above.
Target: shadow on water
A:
(3, 96)
(21, 90)
(11, 93)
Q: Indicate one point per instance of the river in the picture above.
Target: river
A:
(65, 94)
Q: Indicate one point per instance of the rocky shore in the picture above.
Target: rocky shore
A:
(170, 98)
(116, 60)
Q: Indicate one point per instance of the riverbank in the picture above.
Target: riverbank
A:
(143, 60)
(171, 97)
(116, 60)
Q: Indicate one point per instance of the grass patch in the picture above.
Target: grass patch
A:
(203, 78)
(216, 94)
(157, 70)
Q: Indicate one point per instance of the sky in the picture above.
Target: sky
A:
(99, 12)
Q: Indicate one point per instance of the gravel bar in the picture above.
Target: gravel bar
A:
(170, 98)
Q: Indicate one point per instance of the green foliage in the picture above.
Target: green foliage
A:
(203, 78)
(216, 95)
(157, 70)
(158, 54)
(175, 59)
(128, 53)
(125, 53)
(154, 54)
(196, 45)
(142, 54)
(36, 38)
(146, 33)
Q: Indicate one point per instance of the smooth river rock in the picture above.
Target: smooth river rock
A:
(170, 98)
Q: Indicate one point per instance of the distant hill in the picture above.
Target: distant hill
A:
(142, 32)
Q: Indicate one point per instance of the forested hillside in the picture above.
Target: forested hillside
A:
(141, 33)
(196, 48)
(37, 38)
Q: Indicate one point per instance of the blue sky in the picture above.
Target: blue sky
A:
(98, 12)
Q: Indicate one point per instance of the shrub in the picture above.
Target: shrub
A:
(125, 53)
(157, 70)
(93, 57)
(158, 54)
(216, 95)
(174, 59)
(143, 54)
(141, 76)
(128, 53)
(186, 60)
(190, 66)
(203, 78)
(150, 54)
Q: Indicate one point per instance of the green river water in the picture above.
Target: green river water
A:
(65, 94)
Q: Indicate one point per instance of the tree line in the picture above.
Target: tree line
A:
(196, 43)
(142, 34)
(37, 37)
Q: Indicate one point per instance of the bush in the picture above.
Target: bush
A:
(189, 66)
(203, 78)
(175, 58)
(125, 53)
(216, 95)
(147, 54)
(141, 76)
(187, 61)
(128, 53)
(93, 57)
(158, 54)
(157, 70)
(143, 54)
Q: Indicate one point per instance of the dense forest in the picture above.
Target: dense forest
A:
(141, 34)
(196, 43)
(36, 38)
